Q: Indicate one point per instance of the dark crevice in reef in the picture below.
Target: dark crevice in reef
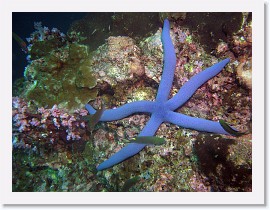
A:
(212, 27)
(214, 162)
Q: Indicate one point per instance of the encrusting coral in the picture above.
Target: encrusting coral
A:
(162, 110)
(54, 151)
(59, 71)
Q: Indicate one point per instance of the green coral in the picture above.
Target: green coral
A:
(189, 67)
(189, 39)
(43, 48)
(63, 76)
(142, 93)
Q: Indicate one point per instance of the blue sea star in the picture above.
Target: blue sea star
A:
(162, 109)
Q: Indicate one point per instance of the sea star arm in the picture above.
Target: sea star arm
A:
(168, 66)
(161, 109)
(194, 123)
(132, 149)
(190, 87)
(123, 111)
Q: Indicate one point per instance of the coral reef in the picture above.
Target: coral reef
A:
(48, 149)
(183, 163)
(162, 109)
(59, 71)
(209, 32)
(117, 61)
(207, 101)
(48, 126)
(219, 162)
(100, 27)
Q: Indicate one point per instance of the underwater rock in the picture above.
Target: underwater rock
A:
(211, 32)
(83, 75)
(171, 168)
(244, 73)
(241, 41)
(61, 77)
(38, 125)
(50, 149)
(152, 56)
(177, 16)
(100, 26)
(225, 162)
(59, 70)
(117, 61)
(42, 48)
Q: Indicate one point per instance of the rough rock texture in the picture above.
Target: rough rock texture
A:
(117, 61)
(62, 77)
(190, 160)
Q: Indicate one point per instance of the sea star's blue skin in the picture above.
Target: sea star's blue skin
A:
(162, 110)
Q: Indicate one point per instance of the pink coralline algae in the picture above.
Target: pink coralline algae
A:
(42, 124)
(44, 33)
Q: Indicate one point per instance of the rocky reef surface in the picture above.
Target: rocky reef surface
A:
(54, 150)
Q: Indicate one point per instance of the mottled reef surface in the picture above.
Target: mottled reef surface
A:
(53, 147)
